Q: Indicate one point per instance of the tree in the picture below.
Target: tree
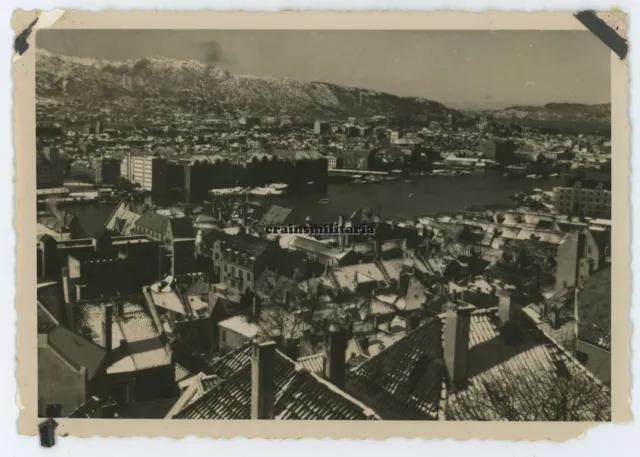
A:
(529, 265)
(532, 396)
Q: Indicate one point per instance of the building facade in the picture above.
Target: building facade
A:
(585, 200)
(150, 172)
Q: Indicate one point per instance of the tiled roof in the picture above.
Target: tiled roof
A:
(504, 375)
(242, 242)
(153, 221)
(404, 381)
(316, 247)
(272, 285)
(275, 215)
(313, 363)
(355, 361)
(144, 348)
(298, 394)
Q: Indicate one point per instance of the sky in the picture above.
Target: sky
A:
(462, 69)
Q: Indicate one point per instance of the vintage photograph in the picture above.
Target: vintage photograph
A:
(364, 225)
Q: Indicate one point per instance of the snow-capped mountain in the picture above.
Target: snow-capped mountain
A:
(194, 82)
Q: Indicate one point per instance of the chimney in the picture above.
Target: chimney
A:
(263, 395)
(123, 345)
(107, 322)
(456, 344)
(412, 322)
(554, 317)
(68, 298)
(255, 307)
(543, 310)
(80, 288)
(66, 285)
(335, 347)
(403, 287)
(341, 236)
(505, 307)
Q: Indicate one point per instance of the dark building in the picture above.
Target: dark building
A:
(240, 259)
(584, 198)
(107, 171)
(503, 152)
(358, 159)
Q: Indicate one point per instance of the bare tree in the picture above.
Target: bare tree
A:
(531, 396)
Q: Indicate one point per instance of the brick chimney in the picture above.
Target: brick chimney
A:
(263, 395)
(456, 343)
(335, 348)
(107, 322)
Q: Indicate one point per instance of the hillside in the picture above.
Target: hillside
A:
(201, 86)
(557, 112)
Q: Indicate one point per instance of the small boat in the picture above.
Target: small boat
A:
(360, 181)
(279, 186)
(324, 201)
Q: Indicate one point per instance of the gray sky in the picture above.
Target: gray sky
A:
(462, 69)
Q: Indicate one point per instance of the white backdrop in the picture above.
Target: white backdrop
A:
(602, 441)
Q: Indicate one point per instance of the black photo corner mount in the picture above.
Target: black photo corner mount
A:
(47, 431)
(604, 32)
(20, 44)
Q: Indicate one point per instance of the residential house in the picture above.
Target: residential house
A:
(470, 364)
(266, 384)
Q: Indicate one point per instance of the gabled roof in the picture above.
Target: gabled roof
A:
(316, 247)
(514, 381)
(404, 381)
(408, 380)
(242, 242)
(153, 221)
(77, 350)
(298, 394)
(122, 219)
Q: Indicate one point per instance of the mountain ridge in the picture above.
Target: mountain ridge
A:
(214, 88)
